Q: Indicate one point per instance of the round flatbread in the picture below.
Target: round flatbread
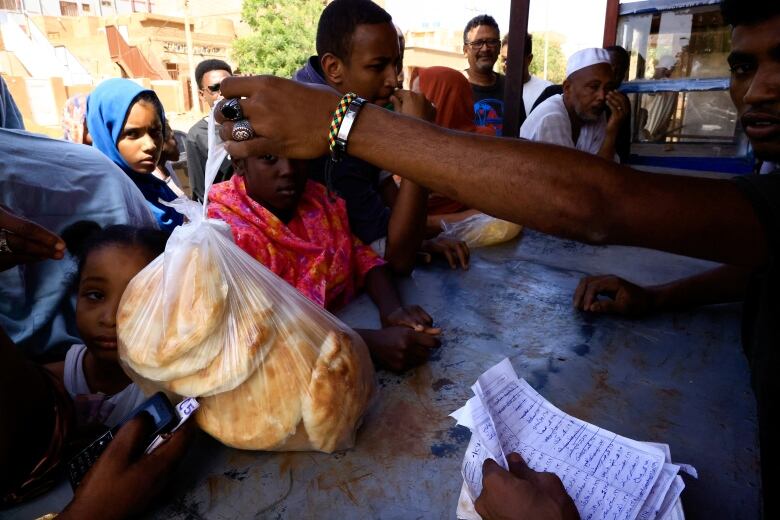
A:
(265, 410)
(139, 316)
(195, 301)
(338, 394)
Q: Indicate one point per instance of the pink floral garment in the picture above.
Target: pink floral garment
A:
(315, 252)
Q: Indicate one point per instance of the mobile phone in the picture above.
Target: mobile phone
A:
(165, 418)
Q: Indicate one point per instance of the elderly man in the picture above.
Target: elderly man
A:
(481, 45)
(577, 118)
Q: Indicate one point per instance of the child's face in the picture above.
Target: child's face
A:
(372, 68)
(105, 274)
(275, 182)
(141, 140)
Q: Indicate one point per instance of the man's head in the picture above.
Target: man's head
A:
(209, 74)
(755, 71)
(357, 45)
(481, 43)
(589, 78)
(529, 55)
(619, 58)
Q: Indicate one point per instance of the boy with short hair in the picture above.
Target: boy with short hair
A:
(358, 51)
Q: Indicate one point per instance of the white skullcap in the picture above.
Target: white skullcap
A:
(586, 58)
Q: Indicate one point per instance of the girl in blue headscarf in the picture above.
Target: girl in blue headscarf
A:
(127, 123)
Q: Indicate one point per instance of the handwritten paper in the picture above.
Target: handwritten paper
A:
(608, 476)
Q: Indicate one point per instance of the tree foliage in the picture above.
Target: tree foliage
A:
(556, 61)
(282, 38)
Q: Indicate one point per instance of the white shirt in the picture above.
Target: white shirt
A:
(75, 382)
(532, 89)
(549, 123)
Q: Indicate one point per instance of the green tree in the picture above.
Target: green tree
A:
(556, 61)
(282, 38)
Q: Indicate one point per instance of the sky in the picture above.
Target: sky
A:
(583, 25)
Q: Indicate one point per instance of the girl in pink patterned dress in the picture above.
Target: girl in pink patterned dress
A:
(301, 233)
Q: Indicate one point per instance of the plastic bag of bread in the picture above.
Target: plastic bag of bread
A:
(481, 230)
(271, 369)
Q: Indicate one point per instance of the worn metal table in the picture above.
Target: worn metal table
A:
(675, 378)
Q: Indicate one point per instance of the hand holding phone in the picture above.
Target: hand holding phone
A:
(164, 416)
(124, 481)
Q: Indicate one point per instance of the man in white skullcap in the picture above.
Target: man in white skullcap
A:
(576, 118)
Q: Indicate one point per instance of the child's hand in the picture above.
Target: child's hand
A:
(412, 316)
(455, 251)
(124, 481)
(399, 348)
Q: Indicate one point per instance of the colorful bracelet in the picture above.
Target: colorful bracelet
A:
(338, 118)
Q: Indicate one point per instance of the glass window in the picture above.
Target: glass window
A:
(684, 43)
(692, 124)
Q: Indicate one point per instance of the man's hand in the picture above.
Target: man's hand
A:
(619, 106)
(522, 493)
(399, 348)
(625, 298)
(124, 481)
(456, 252)
(282, 113)
(413, 104)
(27, 241)
(412, 316)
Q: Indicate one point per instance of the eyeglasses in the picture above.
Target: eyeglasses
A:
(477, 44)
(214, 88)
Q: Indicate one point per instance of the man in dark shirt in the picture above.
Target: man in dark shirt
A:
(481, 45)
(209, 74)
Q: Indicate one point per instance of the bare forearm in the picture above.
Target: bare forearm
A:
(607, 150)
(565, 192)
(406, 228)
(382, 291)
(724, 284)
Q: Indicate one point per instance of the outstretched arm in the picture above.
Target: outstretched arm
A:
(720, 285)
(552, 189)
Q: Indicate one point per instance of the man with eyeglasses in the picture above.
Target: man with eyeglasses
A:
(209, 75)
(481, 45)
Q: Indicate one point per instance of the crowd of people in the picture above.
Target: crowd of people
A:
(80, 217)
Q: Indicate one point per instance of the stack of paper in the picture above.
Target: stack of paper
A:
(607, 475)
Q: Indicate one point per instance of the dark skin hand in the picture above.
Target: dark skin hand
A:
(124, 481)
(724, 284)
(28, 241)
(522, 493)
(407, 337)
(456, 252)
(399, 348)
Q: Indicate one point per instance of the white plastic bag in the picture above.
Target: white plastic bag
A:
(481, 230)
(272, 370)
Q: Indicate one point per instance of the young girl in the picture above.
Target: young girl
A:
(107, 260)
(301, 233)
(126, 122)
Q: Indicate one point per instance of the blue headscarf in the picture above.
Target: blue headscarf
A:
(107, 109)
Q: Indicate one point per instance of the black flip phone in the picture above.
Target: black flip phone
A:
(157, 406)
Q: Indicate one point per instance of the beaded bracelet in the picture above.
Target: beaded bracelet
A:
(338, 118)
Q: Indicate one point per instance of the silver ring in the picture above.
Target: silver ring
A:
(4, 247)
(242, 131)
